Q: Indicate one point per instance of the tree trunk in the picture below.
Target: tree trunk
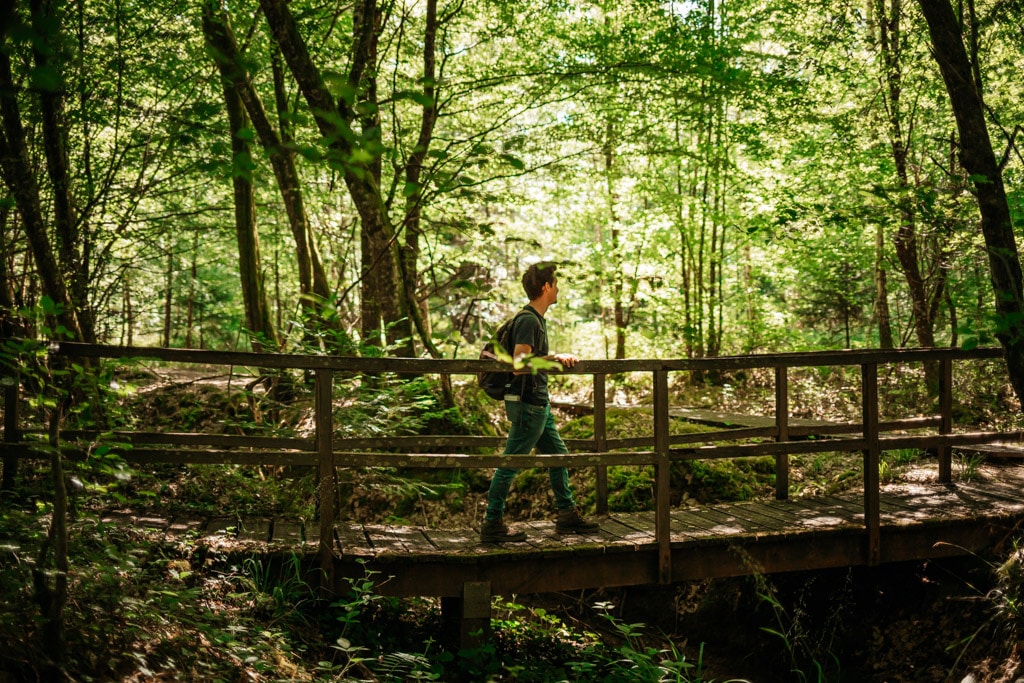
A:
(979, 159)
(313, 287)
(257, 308)
(321, 283)
(882, 314)
(193, 272)
(127, 312)
(17, 174)
(409, 268)
(46, 53)
(617, 265)
(380, 305)
(168, 296)
(52, 596)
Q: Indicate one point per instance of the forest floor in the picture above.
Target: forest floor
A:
(955, 620)
(937, 621)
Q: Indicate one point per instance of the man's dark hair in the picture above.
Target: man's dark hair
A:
(536, 276)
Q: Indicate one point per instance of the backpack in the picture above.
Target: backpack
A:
(495, 382)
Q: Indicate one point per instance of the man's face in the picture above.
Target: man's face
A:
(552, 291)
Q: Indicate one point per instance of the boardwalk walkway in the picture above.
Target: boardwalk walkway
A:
(878, 525)
(918, 521)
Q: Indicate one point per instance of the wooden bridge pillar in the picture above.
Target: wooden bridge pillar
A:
(782, 427)
(662, 518)
(10, 430)
(324, 419)
(469, 616)
(872, 493)
(945, 452)
(600, 443)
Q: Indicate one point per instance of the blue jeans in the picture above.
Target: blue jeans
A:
(532, 427)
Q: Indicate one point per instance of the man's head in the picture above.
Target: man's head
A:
(536, 277)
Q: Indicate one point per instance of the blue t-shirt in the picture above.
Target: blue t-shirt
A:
(530, 329)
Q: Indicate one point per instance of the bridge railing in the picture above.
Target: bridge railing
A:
(778, 439)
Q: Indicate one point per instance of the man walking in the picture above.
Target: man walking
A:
(528, 409)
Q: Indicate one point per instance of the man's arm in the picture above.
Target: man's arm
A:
(523, 350)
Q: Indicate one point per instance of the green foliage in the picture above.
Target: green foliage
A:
(810, 649)
(395, 406)
(633, 660)
(632, 488)
(1009, 593)
(892, 463)
(967, 465)
(147, 609)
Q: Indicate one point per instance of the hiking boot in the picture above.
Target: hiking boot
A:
(495, 531)
(571, 522)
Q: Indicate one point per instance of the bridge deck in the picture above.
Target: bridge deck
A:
(919, 521)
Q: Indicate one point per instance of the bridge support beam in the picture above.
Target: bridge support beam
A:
(469, 616)
(945, 452)
(10, 432)
(872, 456)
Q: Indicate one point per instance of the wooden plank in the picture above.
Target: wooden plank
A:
(830, 512)
(457, 542)
(723, 522)
(994, 491)
(485, 461)
(624, 534)
(785, 513)
(765, 515)
(354, 541)
(416, 542)
(221, 526)
(151, 522)
(181, 527)
(542, 535)
(217, 457)
(997, 449)
(767, 536)
(244, 359)
(921, 503)
(255, 529)
(599, 538)
(117, 518)
(389, 539)
(286, 532)
(691, 523)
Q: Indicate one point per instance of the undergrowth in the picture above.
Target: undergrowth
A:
(144, 608)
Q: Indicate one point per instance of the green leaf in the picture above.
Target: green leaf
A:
(360, 155)
(513, 161)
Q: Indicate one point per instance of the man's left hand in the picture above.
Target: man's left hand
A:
(566, 359)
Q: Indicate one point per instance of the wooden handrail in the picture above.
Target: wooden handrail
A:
(779, 438)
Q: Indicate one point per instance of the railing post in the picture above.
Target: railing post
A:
(945, 451)
(872, 502)
(600, 444)
(328, 487)
(782, 427)
(10, 430)
(662, 528)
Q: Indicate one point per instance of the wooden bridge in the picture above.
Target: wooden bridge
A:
(879, 524)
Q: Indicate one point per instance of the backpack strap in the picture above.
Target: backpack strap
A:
(512, 327)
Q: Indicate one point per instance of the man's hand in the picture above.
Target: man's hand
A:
(566, 359)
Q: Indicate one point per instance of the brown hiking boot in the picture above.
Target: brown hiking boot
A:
(571, 522)
(495, 531)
